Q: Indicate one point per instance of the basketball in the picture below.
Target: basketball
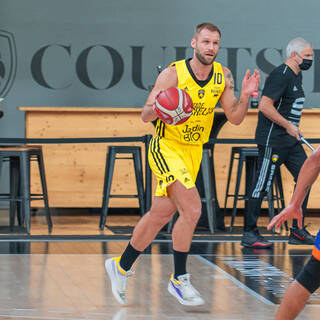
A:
(174, 106)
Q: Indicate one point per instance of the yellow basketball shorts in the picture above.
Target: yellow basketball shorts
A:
(170, 161)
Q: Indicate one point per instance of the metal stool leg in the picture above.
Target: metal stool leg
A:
(18, 203)
(139, 179)
(281, 195)
(14, 190)
(232, 158)
(1, 159)
(25, 187)
(208, 190)
(277, 195)
(44, 189)
(236, 192)
(148, 178)
(107, 185)
(270, 197)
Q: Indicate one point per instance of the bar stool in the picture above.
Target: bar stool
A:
(249, 155)
(19, 158)
(204, 182)
(113, 151)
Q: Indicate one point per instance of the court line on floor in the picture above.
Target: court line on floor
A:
(42, 317)
(254, 254)
(121, 314)
(236, 281)
(121, 240)
(113, 317)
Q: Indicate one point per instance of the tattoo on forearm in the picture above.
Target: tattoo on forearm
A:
(236, 103)
(230, 80)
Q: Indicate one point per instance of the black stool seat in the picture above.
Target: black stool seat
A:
(20, 158)
(249, 155)
(205, 182)
(113, 151)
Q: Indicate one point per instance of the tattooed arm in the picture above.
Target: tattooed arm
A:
(236, 109)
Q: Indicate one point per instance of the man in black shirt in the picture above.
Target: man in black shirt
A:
(278, 138)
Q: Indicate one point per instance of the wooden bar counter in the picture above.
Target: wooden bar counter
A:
(75, 172)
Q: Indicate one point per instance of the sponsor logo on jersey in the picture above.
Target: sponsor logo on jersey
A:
(192, 133)
(216, 91)
(200, 110)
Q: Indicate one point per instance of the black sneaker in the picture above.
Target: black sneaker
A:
(301, 236)
(253, 239)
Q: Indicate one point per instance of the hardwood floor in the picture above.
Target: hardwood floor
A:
(69, 284)
(65, 279)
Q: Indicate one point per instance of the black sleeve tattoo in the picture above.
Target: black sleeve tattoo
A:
(236, 102)
(230, 79)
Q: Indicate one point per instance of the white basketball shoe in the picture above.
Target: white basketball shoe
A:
(118, 278)
(183, 290)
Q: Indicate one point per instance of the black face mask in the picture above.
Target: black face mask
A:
(306, 64)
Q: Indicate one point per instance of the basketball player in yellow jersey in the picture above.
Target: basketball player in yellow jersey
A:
(175, 155)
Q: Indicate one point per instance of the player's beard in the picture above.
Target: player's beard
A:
(203, 60)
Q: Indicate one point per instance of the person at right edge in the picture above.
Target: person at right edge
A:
(278, 139)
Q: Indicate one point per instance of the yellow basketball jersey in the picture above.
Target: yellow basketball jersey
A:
(205, 95)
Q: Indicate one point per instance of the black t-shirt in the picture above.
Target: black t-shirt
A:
(285, 87)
